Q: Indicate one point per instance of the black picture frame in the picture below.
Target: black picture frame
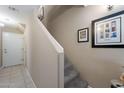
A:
(104, 18)
(87, 35)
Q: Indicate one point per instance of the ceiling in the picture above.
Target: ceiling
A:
(20, 8)
(16, 13)
(25, 8)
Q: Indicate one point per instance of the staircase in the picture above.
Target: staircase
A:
(72, 77)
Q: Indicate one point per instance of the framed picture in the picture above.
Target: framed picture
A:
(83, 35)
(108, 32)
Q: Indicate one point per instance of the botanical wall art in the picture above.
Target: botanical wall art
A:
(83, 35)
(108, 31)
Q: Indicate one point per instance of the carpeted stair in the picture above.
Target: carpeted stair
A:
(72, 77)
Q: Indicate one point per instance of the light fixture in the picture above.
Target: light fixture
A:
(41, 13)
(6, 19)
(109, 7)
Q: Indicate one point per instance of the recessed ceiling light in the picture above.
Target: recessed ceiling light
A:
(6, 19)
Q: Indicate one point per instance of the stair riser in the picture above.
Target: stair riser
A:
(71, 79)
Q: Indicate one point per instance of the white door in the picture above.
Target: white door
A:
(12, 48)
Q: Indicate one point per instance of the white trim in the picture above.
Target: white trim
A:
(30, 76)
(60, 70)
(56, 45)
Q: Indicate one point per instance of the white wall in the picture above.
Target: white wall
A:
(97, 65)
(45, 56)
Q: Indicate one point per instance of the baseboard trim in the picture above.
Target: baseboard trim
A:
(30, 76)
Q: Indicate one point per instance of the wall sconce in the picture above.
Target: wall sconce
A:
(41, 13)
(109, 7)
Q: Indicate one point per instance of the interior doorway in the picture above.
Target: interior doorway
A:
(12, 49)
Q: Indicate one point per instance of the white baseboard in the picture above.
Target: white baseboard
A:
(30, 77)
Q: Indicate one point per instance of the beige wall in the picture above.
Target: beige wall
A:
(53, 11)
(47, 9)
(97, 65)
(44, 55)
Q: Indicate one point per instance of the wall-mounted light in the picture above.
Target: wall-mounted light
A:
(109, 7)
(41, 13)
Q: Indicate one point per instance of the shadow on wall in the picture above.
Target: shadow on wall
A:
(57, 10)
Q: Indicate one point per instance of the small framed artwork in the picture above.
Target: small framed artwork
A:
(108, 32)
(83, 35)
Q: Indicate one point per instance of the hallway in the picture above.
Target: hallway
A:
(15, 77)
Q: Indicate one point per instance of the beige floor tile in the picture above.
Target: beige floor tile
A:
(17, 85)
(30, 86)
(15, 77)
(4, 85)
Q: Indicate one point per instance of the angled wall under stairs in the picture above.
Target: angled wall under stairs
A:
(47, 56)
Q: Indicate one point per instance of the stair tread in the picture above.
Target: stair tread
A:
(77, 83)
(70, 75)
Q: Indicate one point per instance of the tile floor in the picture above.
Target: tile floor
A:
(15, 77)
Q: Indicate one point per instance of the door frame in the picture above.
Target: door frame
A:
(2, 64)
